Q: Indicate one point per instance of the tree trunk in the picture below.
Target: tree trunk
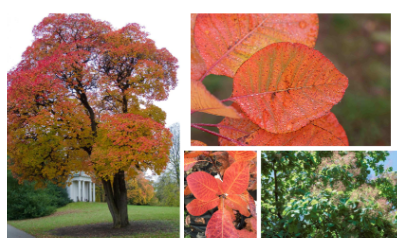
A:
(116, 197)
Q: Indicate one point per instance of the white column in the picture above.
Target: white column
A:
(89, 195)
(90, 191)
(80, 190)
(71, 194)
(83, 190)
(94, 197)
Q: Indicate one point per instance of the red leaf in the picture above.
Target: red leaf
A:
(198, 207)
(225, 41)
(220, 186)
(243, 155)
(236, 179)
(246, 234)
(187, 191)
(192, 154)
(284, 86)
(189, 163)
(325, 131)
(198, 66)
(197, 143)
(203, 186)
(237, 129)
(221, 226)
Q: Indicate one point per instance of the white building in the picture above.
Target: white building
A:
(82, 189)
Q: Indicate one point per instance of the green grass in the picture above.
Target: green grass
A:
(81, 213)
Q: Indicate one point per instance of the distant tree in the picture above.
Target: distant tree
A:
(167, 190)
(167, 185)
(140, 190)
(327, 194)
(81, 100)
(175, 151)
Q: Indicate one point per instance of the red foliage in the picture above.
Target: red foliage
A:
(281, 85)
(228, 195)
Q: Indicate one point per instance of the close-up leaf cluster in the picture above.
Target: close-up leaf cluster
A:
(328, 194)
(283, 89)
(220, 193)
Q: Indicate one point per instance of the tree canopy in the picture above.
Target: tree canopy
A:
(82, 99)
(328, 194)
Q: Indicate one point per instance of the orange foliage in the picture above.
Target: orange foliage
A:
(81, 99)
(139, 190)
(127, 141)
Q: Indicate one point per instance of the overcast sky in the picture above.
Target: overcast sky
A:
(160, 25)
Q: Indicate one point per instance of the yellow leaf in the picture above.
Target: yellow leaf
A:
(203, 101)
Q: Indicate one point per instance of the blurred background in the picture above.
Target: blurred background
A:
(359, 45)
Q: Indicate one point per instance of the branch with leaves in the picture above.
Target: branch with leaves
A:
(283, 89)
(225, 195)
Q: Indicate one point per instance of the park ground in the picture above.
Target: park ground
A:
(83, 219)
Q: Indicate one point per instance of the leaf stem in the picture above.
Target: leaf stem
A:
(217, 134)
(222, 126)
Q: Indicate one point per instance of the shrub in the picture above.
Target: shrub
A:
(24, 201)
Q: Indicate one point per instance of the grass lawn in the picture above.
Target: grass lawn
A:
(83, 213)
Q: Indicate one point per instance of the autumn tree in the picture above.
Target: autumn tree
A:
(328, 194)
(140, 191)
(82, 99)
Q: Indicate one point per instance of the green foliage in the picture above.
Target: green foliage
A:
(328, 194)
(167, 186)
(25, 201)
(167, 190)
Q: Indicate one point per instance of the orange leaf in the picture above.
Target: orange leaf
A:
(197, 143)
(325, 131)
(221, 226)
(246, 234)
(251, 223)
(237, 203)
(220, 185)
(189, 163)
(198, 67)
(225, 41)
(249, 199)
(243, 155)
(187, 191)
(192, 154)
(253, 175)
(236, 179)
(198, 207)
(238, 129)
(284, 86)
(203, 101)
(203, 186)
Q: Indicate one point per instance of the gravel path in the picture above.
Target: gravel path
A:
(13, 232)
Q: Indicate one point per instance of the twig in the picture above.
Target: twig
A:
(217, 134)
